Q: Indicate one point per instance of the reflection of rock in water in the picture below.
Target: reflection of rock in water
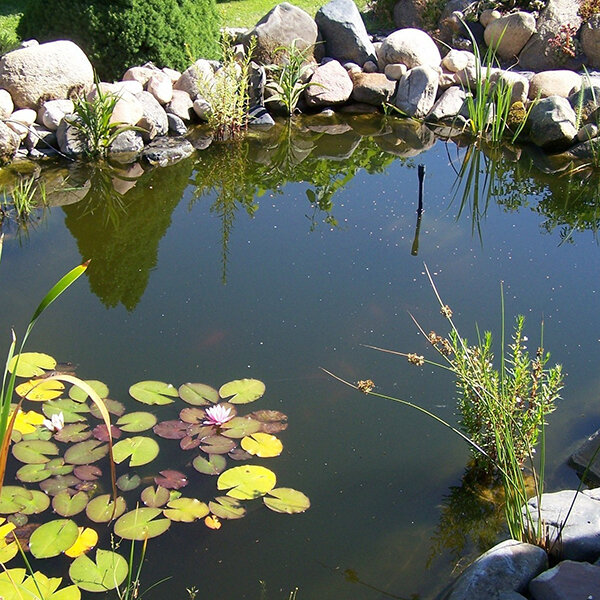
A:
(336, 147)
(407, 138)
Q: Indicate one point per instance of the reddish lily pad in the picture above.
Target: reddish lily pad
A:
(239, 454)
(217, 444)
(242, 391)
(137, 421)
(67, 505)
(171, 430)
(128, 482)
(58, 484)
(189, 442)
(85, 453)
(34, 451)
(192, 415)
(114, 407)
(153, 392)
(100, 509)
(215, 464)
(198, 394)
(73, 433)
(141, 524)
(227, 508)
(87, 472)
(155, 497)
(101, 432)
(171, 480)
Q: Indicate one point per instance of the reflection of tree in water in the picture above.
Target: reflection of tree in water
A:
(120, 233)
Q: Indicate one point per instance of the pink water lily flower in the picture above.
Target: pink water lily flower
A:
(217, 415)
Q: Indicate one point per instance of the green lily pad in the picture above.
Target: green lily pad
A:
(114, 407)
(240, 427)
(31, 364)
(67, 505)
(128, 482)
(85, 453)
(34, 451)
(77, 394)
(34, 473)
(287, 500)
(107, 573)
(198, 394)
(155, 497)
(185, 510)
(73, 433)
(247, 482)
(37, 585)
(59, 483)
(215, 464)
(73, 412)
(53, 538)
(137, 421)
(15, 499)
(153, 392)
(226, 508)
(141, 523)
(41, 433)
(100, 508)
(217, 444)
(141, 450)
(242, 391)
(261, 444)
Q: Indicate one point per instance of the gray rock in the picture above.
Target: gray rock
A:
(160, 86)
(581, 459)
(46, 72)
(154, 119)
(538, 55)
(41, 138)
(195, 78)
(590, 40)
(127, 142)
(580, 536)
(519, 84)
(509, 566)
(281, 26)
(372, 88)
(567, 581)
(334, 85)
(259, 117)
(69, 138)
(202, 108)
(395, 71)
(448, 105)
(176, 125)
(53, 112)
(587, 101)
(458, 60)
(407, 138)
(407, 13)
(417, 91)
(554, 83)
(488, 15)
(552, 123)
(165, 151)
(344, 33)
(509, 34)
(9, 143)
(257, 78)
(588, 132)
(411, 47)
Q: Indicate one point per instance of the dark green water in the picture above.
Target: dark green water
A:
(220, 268)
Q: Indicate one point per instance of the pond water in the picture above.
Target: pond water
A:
(288, 252)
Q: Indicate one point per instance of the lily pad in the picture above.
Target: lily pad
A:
(14, 586)
(185, 510)
(217, 444)
(140, 450)
(73, 433)
(34, 451)
(239, 454)
(198, 394)
(100, 508)
(273, 421)
(226, 508)
(15, 499)
(153, 392)
(155, 497)
(67, 505)
(242, 391)
(171, 480)
(128, 482)
(261, 444)
(87, 472)
(73, 412)
(40, 390)
(85, 541)
(107, 573)
(100, 432)
(60, 483)
(171, 430)
(192, 415)
(31, 364)
(137, 421)
(247, 482)
(141, 523)
(287, 500)
(114, 407)
(77, 394)
(34, 473)
(85, 453)
(240, 427)
(53, 538)
(215, 464)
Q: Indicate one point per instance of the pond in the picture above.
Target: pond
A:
(290, 251)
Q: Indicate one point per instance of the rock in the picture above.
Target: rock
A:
(127, 142)
(508, 566)
(195, 78)
(52, 113)
(488, 15)
(580, 538)
(509, 34)
(372, 88)
(370, 67)
(395, 71)
(140, 74)
(176, 125)
(411, 47)
(342, 28)
(538, 55)
(257, 79)
(448, 105)
(567, 581)
(581, 459)
(334, 85)
(129, 87)
(9, 143)
(7, 106)
(41, 137)
(46, 72)
(281, 26)
(417, 91)
(21, 120)
(127, 109)
(69, 139)
(154, 118)
(458, 60)
(165, 151)
(181, 105)
(588, 132)
(407, 13)
(519, 83)
(554, 83)
(126, 178)
(590, 41)
(587, 101)
(202, 108)
(259, 117)
(161, 87)
(172, 74)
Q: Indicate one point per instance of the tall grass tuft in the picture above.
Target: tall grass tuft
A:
(22, 198)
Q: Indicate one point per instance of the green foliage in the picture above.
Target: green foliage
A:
(125, 33)
(22, 199)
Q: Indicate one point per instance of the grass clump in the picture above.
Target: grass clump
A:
(22, 200)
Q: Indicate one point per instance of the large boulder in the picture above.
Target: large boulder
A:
(331, 85)
(417, 91)
(567, 580)
(283, 25)
(372, 88)
(538, 54)
(49, 71)
(508, 34)
(411, 47)
(154, 119)
(195, 78)
(554, 83)
(344, 32)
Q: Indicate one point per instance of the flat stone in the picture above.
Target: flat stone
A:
(567, 581)
(448, 105)
(372, 88)
(258, 116)
(166, 151)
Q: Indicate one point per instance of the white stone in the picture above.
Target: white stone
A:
(141, 74)
(131, 86)
(457, 60)
(172, 74)
(554, 83)
(411, 47)
(395, 71)
(202, 108)
(53, 112)
(21, 120)
(161, 87)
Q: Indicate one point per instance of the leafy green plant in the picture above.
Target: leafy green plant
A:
(23, 199)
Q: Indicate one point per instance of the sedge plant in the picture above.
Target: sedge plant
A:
(503, 410)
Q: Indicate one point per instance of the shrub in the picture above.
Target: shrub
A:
(125, 33)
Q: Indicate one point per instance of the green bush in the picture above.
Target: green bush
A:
(126, 33)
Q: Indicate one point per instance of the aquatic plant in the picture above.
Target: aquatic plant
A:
(21, 199)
